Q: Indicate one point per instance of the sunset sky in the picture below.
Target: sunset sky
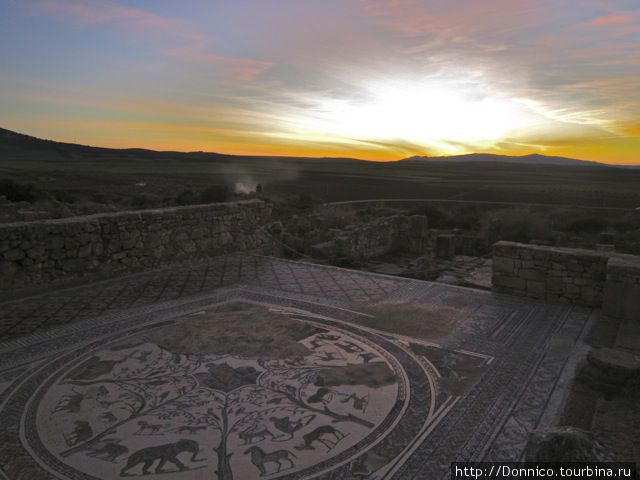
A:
(373, 79)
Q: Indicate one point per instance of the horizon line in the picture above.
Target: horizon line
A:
(263, 155)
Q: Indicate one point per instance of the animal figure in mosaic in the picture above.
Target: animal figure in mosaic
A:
(275, 401)
(290, 427)
(323, 339)
(108, 418)
(81, 432)
(323, 394)
(359, 403)
(108, 450)
(328, 336)
(72, 403)
(141, 355)
(320, 435)
(252, 433)
(96, 367)
(163, 454)
(367, 356)
(260, 458)
(191, 429)
(93, 368)
(329, 356)
(350, 347)
(146, 428)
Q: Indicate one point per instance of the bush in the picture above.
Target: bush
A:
(17, 192)
(338, 217)
(215, 194)
(466, 217)
(66, 196)
(516, 225)
(586, 225)
(437, 217)
(629, 222)
(146, 200)
(186, 197)
(305, 201)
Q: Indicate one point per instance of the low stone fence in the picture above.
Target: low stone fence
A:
(599, 279)
(39, 253)
(377, 238)
(555, 274)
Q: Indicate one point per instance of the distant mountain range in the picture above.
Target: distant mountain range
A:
(10, 140)
(535, 159)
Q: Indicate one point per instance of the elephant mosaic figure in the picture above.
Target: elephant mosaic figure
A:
(164, 453)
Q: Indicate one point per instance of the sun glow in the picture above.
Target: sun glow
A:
(446, 116)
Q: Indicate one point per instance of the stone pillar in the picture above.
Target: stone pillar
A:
(622, 288)
(418, 234)
(446, 247)
(470, 245)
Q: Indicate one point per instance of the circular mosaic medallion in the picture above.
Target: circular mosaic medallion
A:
(237, 391)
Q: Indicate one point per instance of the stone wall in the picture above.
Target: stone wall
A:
(374, 239)
(39, 253)
(555, 274)
(622, 288)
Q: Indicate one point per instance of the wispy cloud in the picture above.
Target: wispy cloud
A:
(297, 76)
(107, 12)
(193, 46)
(456, 21)
(238, 67)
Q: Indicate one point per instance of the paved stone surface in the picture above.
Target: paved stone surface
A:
(65, 306)
(250, 367)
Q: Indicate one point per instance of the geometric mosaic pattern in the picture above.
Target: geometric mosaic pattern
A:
(188, 279)
(249, 367)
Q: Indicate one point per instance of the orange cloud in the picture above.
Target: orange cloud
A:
(631, 129)
(608, 20)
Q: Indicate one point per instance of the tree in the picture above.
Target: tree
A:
(162, 391)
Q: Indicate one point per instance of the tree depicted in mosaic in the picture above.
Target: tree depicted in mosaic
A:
(147, 390)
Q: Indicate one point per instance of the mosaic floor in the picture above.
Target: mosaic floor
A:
(247, 367)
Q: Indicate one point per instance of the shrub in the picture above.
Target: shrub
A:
(437, 217)
(517, 225)
(466, 217)
(337, 217)
(305, 201)
(17, 192)
(187, 197)
(146, 200)
(629, 222)
(66, 196)
(586, 225)
(215, 194)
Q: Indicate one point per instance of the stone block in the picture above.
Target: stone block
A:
(14, 255)
(98, 249)
(512, 283)
(555, 284)
(446, 247)
(84, 251)
(536, 289)
(503, 265)
(529, 274)
(326, 250)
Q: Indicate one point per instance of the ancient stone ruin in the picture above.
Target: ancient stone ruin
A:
(205, 355)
